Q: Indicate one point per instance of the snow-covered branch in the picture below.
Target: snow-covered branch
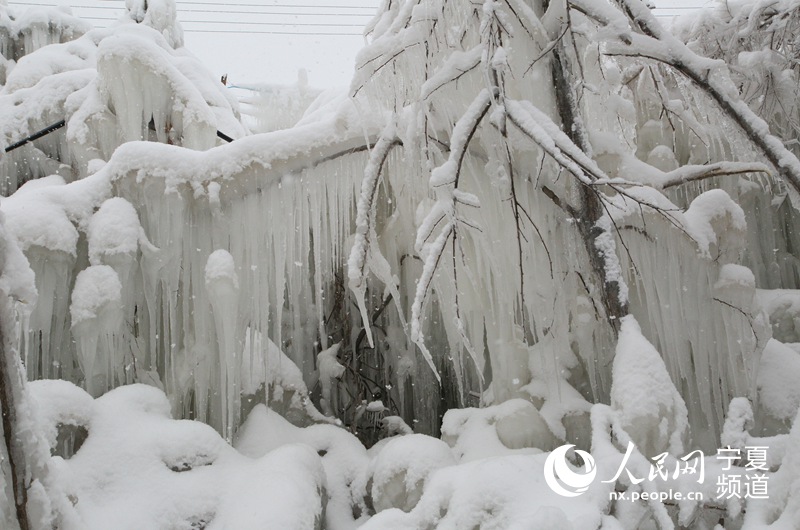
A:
(693, 173)
(710, 76)
(544, 132)
(444, 181)
(365, 248)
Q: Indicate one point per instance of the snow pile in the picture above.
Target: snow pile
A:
(561, 405)
(97, 290)
(37, 222)
(60, 404)
(344, 460)
(717, 224)
(16, 279)
(507, 492)
(778, 369)
(402, 467)
(138, 468)
(783, 308)
(113, 232)
(220, 268)
(512, 427)
(651, 410)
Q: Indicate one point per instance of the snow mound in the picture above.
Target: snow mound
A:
(97, 290)
(220, 267)
(507, 492)
(344, 459)
(717, 224)
(651, 410)
(113, 230)
(514, 426)
(138, 468)
(783, 308)
(402, 467)
(779, 369)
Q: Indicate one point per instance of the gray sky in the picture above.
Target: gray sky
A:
(268, 40)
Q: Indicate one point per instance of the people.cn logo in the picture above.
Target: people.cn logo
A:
(564, 480)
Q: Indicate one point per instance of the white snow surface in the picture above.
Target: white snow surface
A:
(139, 468)
(97, 289)
(651, 410)
(220, 266)
(114, 229)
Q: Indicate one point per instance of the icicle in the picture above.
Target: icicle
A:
(96, 313)
(223, 288)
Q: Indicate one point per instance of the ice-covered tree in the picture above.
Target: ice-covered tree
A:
(528, 223)
(759, 43)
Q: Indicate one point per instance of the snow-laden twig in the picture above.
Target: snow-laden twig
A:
(444, 180)
(434, 254)
(544, 132)
(365, 252)
(689, 173)
(655, 42)
(457, 65)
(685, 174)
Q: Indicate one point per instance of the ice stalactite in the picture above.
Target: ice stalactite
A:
(96, 313)
(148, 99)
(223, 290)
(184, 327)
(27, 499)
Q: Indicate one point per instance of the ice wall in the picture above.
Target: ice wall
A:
(467, 237)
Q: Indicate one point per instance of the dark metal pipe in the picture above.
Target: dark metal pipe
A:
(36, 135)
(224, 136)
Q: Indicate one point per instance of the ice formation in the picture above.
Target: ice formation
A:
(132, 81)
(525, 225)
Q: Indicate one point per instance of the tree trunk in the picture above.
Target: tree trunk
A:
(591, 208)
